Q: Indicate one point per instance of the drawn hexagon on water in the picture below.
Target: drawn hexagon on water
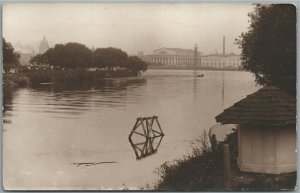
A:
(146, 136)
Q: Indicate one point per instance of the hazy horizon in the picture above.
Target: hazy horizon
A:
(132, 27)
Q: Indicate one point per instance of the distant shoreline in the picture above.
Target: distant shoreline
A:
(193, 68)
(38, 77)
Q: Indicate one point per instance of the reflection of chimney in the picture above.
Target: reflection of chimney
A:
(223, 45)
(195, 55)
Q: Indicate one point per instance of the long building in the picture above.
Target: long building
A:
(177, 57)
(221, 60)
(173, 57)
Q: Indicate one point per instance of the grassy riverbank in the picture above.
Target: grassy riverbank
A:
(203, 171)
(49, 76)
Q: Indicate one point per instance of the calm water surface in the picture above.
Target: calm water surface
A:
(47, 129)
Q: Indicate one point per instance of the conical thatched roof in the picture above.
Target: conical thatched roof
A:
(268, 106)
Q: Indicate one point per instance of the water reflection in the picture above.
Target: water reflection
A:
(146, 148)
(85, 124)
(69, 101)
(103, 84)
(144, 137)
(8, 95)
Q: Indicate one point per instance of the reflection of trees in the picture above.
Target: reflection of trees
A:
(145, 140)
(71, 100)
(7, 98)
(146, 148)
(8, 94)
(100, 93)
(101, 84)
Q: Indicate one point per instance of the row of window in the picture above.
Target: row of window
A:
(215, 59)
(221, 64)
(170, 60)
(204, 62)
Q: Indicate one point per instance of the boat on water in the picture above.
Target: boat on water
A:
(200, 75)
(45, 83)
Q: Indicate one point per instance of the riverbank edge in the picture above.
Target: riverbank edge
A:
(58, 77)
(203, 171)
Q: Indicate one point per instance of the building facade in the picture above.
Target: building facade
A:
(221, 61)
(173, 57)
(177, 57)
(26, 52)
(44, 46)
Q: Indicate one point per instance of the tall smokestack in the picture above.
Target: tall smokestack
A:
(223, 45)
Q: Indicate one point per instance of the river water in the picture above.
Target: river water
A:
(49, 128)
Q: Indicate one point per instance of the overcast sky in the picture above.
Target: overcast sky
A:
(130, 26)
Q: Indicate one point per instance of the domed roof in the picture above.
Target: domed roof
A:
(44, 46)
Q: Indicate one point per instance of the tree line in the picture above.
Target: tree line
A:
(269, 45)
(11, 59)
(78, 56)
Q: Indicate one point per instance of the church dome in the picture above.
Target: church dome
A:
(44, 46)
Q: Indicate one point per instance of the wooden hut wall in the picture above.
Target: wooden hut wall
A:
(286, 145)
(262, 150)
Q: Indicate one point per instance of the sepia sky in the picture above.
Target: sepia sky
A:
(130, 26)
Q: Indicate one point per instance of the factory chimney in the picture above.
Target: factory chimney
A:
(223, 45)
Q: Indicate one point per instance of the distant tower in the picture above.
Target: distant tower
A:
(223, 45)
(195, 55)
(44, 46)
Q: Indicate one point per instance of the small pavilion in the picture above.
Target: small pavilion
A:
(266, 131)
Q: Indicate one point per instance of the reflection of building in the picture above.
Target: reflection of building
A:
(44, 46)
(173, 57)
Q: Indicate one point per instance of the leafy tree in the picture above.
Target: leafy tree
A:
(136, 64)
(38, 59)
(74, 55)
(110, 57)
(69, 56)
(10, 57)
(269, 46)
